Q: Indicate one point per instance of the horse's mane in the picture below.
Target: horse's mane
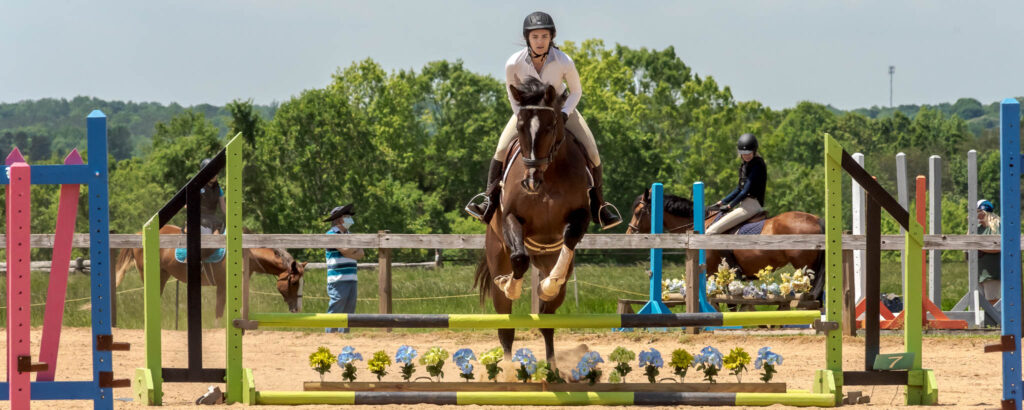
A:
(675, 205)
(532, 91)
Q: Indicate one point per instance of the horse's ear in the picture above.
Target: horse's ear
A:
(304, 264)
(550, 95)
(647, 195)
(516, 94)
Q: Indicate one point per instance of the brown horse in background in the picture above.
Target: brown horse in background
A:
(678, 218)
(277, 262)
(544, 211)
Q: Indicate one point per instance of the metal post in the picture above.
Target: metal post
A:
(903, 197)
(1009, 204)
(858, 229)
(935, 228)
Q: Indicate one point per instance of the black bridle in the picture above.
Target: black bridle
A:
(537, 163)
(645, 208)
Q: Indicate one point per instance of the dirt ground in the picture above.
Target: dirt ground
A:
(967, 377)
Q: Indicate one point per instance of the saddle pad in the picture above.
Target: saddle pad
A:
(218, 255)
(751, 228)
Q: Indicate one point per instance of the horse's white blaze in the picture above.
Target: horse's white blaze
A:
(550, 286)
(534, 127)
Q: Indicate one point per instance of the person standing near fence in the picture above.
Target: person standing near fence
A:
(342, 281)
(989, 262)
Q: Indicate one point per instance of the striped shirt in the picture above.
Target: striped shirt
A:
(339, 267)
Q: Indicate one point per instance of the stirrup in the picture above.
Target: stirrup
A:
(615, 212)
(469, 205)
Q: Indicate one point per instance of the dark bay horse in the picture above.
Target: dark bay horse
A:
(678, 218)
(277, 262)
(544, 211)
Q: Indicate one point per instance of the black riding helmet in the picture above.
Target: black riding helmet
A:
(205, 162)
(538, 20)
(747, 144)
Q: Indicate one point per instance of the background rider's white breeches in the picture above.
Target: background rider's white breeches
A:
(747, 208)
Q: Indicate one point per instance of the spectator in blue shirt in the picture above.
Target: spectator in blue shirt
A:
(341, 266)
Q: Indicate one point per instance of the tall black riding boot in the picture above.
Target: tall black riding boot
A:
(485, 210)
(604, 213)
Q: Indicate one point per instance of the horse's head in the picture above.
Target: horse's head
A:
(289, 278)
(678, 214)
(540, 127)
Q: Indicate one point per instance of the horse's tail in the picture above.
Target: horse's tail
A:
(124, 260)
(482, 280)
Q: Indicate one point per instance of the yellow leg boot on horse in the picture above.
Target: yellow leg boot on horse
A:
(491, 197)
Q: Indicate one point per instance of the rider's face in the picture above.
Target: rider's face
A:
(747, 157)
(540, 40)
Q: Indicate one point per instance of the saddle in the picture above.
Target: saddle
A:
(752, 226)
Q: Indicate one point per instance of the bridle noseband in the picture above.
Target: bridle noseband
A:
(645, 208)
(537, 163)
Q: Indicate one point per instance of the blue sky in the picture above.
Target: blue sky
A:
(777, 52)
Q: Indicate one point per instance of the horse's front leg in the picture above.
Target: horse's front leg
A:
(551, 286)
(513, 286)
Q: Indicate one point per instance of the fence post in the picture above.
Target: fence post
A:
(903, 197)
(384, 276)
(692, 285)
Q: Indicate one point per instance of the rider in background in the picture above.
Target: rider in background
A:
(989, 261)
(748, 198)
(542, 60)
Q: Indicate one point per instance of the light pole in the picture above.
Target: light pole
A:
(892, 70)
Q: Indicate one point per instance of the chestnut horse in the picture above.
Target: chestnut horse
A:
(544, 211)
(678, 218)
(277, 262)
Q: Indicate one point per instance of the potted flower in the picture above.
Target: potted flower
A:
(737, 362)
(651, 361)
(346, 358)
(587, 369)
(681, 362)
(527, 364)
(434, 359)
(462, 359)
(709, 361)
(490, 360)
(767, 359)
(621, 357)
(405, 356)
(321, 361)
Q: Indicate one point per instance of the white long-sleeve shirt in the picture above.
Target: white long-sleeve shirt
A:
(558, 71)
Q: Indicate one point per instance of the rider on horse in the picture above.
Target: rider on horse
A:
(747, 199)
(542, 60)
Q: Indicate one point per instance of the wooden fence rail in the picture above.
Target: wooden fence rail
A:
(594, 241)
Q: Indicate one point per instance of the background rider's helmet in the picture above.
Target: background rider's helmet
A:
(536, 21)
(747, 144)
(205, 162)
(985, 205)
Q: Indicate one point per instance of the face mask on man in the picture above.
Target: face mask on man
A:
(347, 222)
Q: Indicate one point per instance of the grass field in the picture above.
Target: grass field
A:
(446, 290)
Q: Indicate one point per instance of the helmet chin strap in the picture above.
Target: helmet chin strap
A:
(535, 55)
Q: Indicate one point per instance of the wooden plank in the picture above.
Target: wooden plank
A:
(566, 387)
(596, 241)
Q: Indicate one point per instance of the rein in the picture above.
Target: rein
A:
(536, 163)
(645, 208)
